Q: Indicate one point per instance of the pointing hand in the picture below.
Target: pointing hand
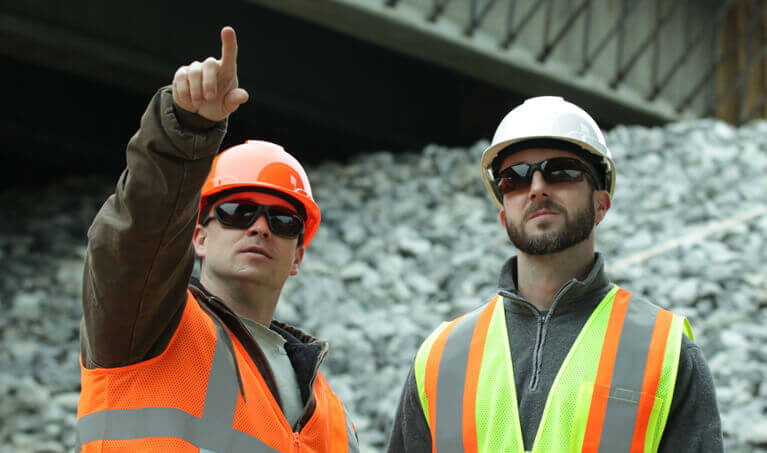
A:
(210, 88)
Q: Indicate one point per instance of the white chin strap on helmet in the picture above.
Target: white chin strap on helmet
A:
(547, 117)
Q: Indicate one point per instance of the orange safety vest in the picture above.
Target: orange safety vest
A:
(187, 399)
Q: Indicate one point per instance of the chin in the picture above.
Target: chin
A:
(544, 228)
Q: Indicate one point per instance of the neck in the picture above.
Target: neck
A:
(540, 277)
(245, 299)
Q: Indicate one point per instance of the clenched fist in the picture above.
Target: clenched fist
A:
(210, 88)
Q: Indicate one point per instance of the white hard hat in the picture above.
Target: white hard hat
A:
(553, 118)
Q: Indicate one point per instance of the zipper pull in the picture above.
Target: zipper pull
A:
(296, 443)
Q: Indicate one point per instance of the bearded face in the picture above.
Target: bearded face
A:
(544, 235)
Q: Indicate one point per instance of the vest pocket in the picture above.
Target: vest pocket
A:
(624, 411)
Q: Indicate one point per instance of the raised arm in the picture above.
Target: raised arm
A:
(140, 255)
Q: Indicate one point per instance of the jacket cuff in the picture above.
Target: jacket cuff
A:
(188, 140)
(192, 120)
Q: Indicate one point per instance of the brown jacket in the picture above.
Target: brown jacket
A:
(140, 255)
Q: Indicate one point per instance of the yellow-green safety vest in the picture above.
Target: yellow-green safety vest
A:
(612, 393)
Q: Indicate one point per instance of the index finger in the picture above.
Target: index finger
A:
(228, 50)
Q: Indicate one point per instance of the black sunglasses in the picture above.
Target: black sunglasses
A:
(243, 214)
(554, 170)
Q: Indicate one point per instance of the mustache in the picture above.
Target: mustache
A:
(544, 204)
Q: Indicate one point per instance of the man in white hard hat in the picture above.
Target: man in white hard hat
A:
(561, 359)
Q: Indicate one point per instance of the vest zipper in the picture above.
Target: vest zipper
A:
(296, 443)
(537, 353)
(542, 320)
(310, 405)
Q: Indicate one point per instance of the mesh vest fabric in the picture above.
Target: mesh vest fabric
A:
(494, 416)
(187, 400)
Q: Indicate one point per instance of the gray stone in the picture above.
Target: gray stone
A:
(355, 271)
(756, 433)
(52, 430)
(31, 395)
(68, 401)
(27, 306)
(685, 292)
(23, 351)
(49, 447)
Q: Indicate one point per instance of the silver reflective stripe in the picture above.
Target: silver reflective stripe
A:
(212, 432)
(628, 375)
(451, 378)
(354, 446)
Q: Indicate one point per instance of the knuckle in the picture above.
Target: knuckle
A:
(210, 66)
(195, 67)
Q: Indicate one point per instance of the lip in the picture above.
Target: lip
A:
(256, 249)
(541, 213)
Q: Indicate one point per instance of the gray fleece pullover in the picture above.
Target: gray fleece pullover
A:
(693, 424)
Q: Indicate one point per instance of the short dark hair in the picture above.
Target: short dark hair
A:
(592, 160)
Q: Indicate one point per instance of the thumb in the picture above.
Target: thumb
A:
(234, 98)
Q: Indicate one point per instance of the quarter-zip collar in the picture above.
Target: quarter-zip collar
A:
(305, 352)
(572, 296)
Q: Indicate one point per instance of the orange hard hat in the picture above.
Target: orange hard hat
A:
(259, 164)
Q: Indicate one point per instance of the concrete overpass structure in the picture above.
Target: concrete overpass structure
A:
(330, 76)
(631, 61)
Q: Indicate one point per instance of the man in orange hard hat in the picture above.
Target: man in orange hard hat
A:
(170, 364)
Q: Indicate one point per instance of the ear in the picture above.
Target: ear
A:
(601, 205)
(503, 218)
(297, 260)
(199, 240)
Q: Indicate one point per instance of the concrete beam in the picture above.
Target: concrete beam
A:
(404, 29)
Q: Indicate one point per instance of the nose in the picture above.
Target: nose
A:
(538, 186)
(259, 227)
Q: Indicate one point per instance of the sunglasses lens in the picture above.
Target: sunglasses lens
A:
(237, 215)
(242, 215)
(284, 223)
(563, 170)
(514, 178)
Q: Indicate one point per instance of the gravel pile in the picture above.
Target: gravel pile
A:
(409, 240)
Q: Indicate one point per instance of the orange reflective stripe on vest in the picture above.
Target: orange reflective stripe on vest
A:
(627, 357)
(624, 391)
(651, 377)
(457, 383)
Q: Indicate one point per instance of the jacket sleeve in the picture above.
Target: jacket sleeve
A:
(693, 422)
(140, 257)
(410, 432)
